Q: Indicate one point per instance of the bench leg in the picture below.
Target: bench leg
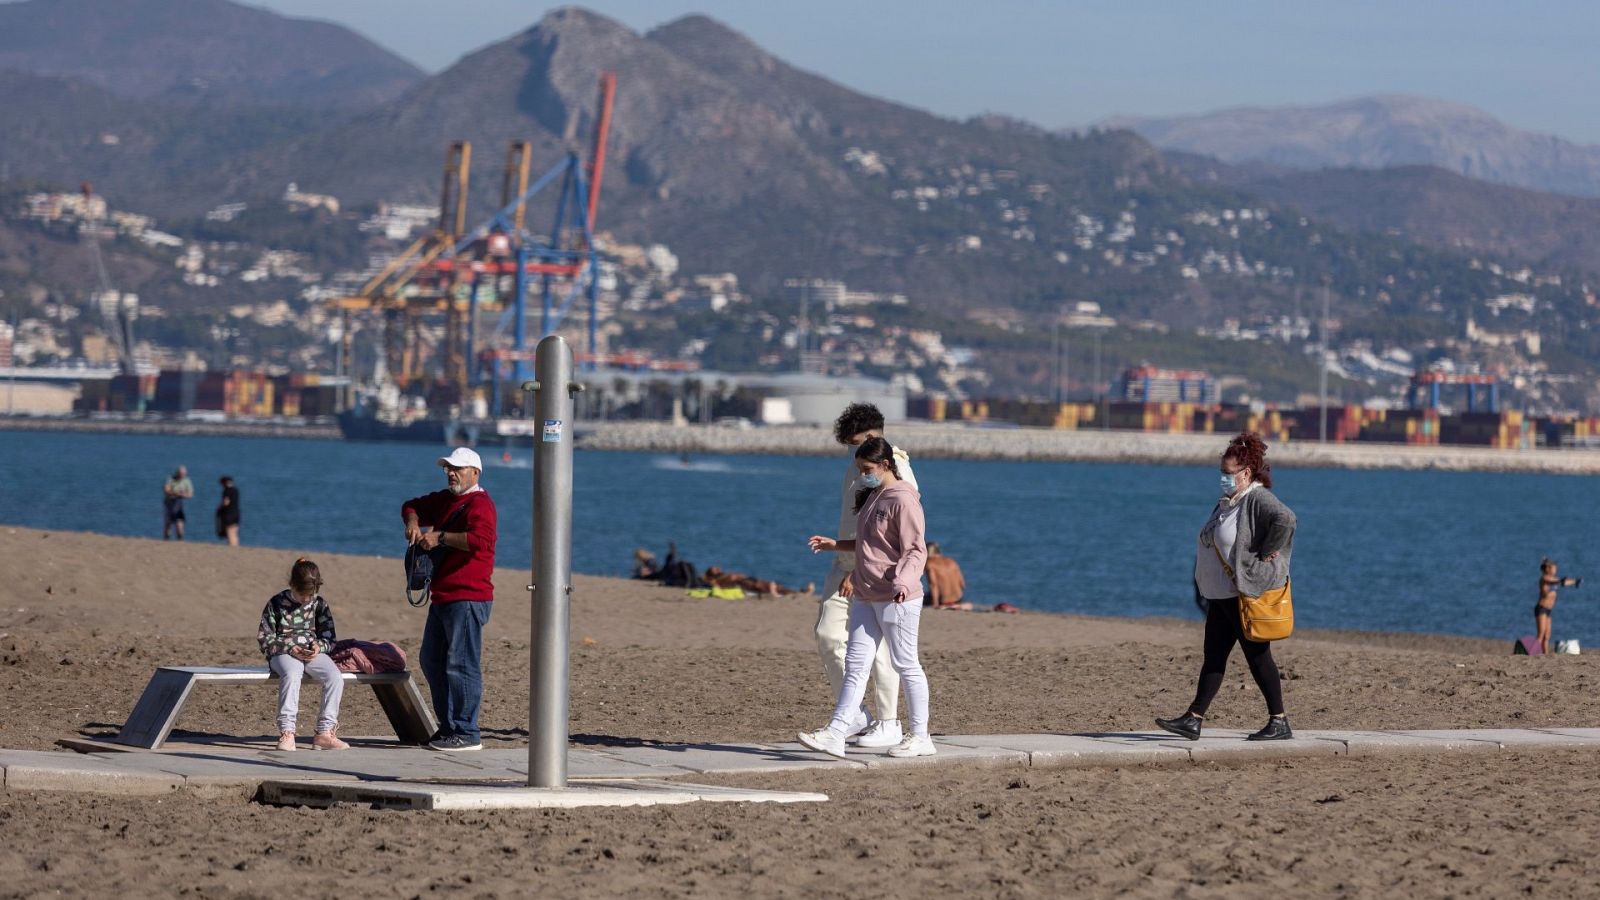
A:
(153, 716)
(409, 714)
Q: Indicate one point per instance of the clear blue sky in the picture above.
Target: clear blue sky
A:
(1531, 63)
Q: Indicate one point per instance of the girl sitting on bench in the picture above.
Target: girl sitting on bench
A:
(297, 634)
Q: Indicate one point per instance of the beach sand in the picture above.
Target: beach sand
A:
(84, 619)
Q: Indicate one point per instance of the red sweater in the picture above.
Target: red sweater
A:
(460, 575)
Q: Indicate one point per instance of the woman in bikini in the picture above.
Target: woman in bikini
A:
(1548, 584)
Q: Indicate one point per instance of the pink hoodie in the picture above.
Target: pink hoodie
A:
(889, 549)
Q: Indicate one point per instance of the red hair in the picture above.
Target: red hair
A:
(1250, 451)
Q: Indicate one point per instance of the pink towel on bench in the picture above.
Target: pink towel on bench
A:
(368, 657)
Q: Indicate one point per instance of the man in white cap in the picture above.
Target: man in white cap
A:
(462, 525)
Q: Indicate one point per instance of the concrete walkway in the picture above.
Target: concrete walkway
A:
(246, 770)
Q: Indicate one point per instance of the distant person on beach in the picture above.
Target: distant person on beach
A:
(645, 567)
(945, 581)
(1244, 547)
(228, 512)
(886, 604)
(297, 634)
(716, 577)
(1546, 605)
(463, 519)
(177, 489)
(858, 423)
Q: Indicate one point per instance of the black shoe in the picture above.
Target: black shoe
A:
(1184, 726)
(1277, 729)
(455, 743)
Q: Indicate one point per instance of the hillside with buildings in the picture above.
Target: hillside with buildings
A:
(756, 216)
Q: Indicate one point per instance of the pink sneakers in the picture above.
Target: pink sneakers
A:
(285, 741)
(328, 740)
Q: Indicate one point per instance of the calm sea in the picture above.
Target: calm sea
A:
(1393, 551)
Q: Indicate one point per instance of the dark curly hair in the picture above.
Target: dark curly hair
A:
(856, 418)
(875, 449)
(1250, 451)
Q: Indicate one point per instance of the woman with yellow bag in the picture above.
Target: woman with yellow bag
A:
(1241, 577)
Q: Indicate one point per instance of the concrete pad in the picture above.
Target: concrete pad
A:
(1074, 749)
(583, 763)
(1590, 733)
(1219, 749)
(948, 755)
(1518, 738)
(516, 796)
(1386, 743)
(50, 771)
(724, 759)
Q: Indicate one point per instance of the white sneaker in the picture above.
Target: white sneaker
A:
(883, 733)
(860, 723)
(915, 745)
(824, 740)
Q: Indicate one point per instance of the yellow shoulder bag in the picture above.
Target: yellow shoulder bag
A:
(1266, 617)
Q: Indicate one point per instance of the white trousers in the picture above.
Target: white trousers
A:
(833, 626)
(874, 626)
(324, 672)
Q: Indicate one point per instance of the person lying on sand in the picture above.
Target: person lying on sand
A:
(716, 577)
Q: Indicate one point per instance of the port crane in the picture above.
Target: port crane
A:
(459, 272)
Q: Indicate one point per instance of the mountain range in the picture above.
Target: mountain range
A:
(1377, 132)
(743, 163)
(200, 51)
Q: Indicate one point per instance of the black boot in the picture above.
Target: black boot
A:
(1277, 729)
(1184, 726)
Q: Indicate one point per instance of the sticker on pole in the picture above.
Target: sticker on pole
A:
(552, 431)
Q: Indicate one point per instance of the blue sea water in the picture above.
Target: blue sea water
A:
(1394, 551)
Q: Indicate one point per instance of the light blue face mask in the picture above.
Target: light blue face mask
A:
(871, 481)
(1228, 484)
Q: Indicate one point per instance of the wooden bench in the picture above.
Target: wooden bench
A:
(153, 716)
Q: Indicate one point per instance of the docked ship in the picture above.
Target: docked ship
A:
(383, 415)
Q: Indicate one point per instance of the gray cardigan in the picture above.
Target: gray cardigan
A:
(1265, 525)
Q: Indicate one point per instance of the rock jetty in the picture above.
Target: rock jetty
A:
(1037, 444)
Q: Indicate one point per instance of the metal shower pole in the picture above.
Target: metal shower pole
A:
(548, 670)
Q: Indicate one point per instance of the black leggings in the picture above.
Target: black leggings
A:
(1223, 630)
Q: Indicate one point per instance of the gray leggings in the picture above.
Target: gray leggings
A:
(289, 671)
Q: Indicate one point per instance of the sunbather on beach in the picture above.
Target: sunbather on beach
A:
(945, 581)
(716, 577)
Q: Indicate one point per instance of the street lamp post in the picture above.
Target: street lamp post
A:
(1322, 390)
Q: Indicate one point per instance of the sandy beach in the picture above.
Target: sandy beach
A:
(84, 619)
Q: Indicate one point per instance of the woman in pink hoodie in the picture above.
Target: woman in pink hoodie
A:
(887, 604)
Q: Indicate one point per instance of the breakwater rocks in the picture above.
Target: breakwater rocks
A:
(1036, 444)
(309, 430)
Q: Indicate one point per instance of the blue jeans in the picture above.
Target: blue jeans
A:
(452, 660)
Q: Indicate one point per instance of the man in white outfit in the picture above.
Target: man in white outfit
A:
(858, 422)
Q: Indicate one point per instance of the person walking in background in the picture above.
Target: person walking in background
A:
(228, 512)
(858, 423)
(886, 605)
(1545, 606)
(462, 519)
(297, 634)
(177, 489)
(945, 581)
(1244, 547)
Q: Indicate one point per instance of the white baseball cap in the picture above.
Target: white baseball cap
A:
(460, 458)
